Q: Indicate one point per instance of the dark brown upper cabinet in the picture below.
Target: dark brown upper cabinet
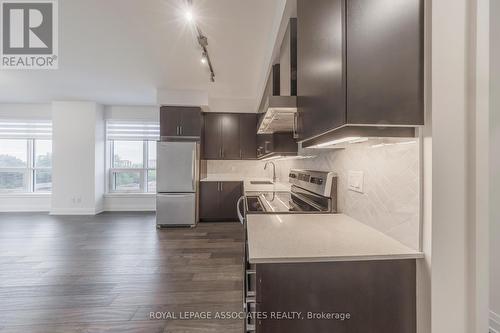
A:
(180, 121)
(229, 136)
(321, 66)
(248, 137)
(288, 61)
(212, 138)
(359, 64)
(276, 144)
(385, 62)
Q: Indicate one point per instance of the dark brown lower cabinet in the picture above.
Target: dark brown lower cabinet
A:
(341, 297)
(218, 201)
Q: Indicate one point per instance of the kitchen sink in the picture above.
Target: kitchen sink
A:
(261, 182)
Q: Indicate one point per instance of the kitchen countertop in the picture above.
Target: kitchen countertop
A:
(281, 238)
(248, 187)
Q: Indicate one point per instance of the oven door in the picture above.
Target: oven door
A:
(253, 204)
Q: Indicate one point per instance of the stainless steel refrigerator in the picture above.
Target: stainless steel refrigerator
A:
(177, 178)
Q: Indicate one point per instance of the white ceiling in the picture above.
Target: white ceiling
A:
(124, 51)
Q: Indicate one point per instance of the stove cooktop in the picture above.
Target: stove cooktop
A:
(311, 192)
(281, 202)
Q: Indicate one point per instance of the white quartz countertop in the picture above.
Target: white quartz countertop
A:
(277, 238)
(247, 183)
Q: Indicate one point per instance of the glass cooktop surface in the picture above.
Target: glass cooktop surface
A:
(278, 202)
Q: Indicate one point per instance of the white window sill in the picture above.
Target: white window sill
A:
(130, 195)
(24, 195)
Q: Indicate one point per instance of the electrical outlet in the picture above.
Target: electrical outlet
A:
(355, 181)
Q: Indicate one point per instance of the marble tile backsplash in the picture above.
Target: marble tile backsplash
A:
(244, 169)
(390, 201)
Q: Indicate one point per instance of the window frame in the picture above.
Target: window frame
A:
(35, 168)
(143, 172)
(29, 170)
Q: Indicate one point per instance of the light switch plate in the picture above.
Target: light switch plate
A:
(355, 181)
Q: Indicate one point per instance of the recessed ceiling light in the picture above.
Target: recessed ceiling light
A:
(189, 16)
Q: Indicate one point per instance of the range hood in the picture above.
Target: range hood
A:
(279, 102)
(280, 115)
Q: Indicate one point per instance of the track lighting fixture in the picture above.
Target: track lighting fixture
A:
(202, 39)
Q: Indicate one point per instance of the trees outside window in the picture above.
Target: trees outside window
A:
(133, 166)
(25, 165)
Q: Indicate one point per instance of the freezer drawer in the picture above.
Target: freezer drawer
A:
(177, 167)
(176, 209)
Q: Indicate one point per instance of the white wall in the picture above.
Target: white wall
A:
(137, 112)
(26, 111)
(495, 165)
(78, 153)
(449, 284)
(424, 283)
(459, 183)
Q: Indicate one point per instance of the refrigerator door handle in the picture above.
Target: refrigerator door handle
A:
(193, 167)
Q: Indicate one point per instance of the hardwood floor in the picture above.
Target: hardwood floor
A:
(107, 273)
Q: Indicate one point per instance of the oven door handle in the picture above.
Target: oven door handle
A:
(241, 215)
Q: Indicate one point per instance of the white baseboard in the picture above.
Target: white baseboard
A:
(25, 210)
(129, 209)
(74, 211)
(494, 322)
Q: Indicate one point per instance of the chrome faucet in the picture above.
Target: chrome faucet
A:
(274, 170)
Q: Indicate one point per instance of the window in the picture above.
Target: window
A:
(25, 165)
(133, 166)
(42, 165)
(132, 156)
(25, 155)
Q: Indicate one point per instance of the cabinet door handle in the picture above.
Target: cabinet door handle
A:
(295, 125)
(178, 131)
(181, 130)
(222, 187)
